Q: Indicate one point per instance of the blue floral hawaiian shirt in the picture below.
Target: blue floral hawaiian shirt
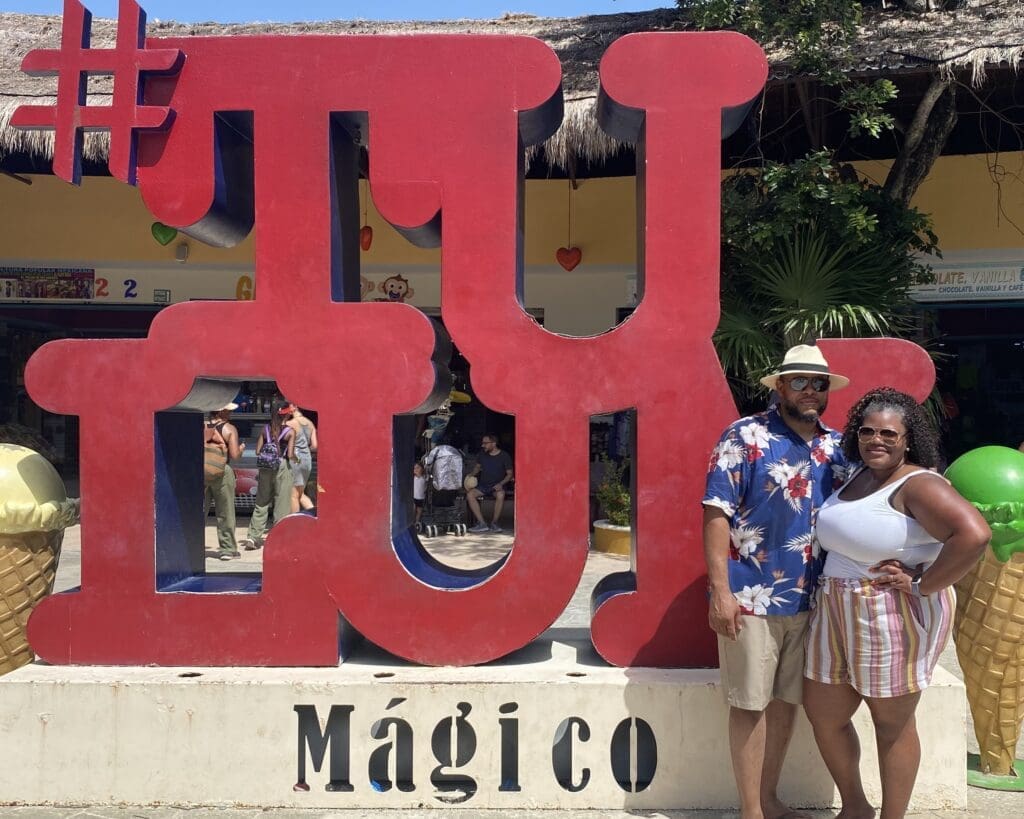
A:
(771, 483)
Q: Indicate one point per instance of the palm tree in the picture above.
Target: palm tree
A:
(808, 285)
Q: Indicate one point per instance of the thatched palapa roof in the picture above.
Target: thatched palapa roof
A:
(969, 40)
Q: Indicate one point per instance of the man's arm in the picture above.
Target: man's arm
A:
(723, 609)
(230, 436)
(508, 470)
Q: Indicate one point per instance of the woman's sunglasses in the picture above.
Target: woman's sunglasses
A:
(889, 437)
(819, 383)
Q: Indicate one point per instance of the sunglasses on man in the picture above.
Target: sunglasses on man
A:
(819, 383)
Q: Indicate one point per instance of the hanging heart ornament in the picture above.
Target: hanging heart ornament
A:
(569, 257)
(164, 234)
(365, 237)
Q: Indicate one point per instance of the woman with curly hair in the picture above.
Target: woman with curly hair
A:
(898, 537)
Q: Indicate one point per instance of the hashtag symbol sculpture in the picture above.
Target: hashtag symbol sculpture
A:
(71, 117)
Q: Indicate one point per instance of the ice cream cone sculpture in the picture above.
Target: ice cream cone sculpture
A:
(989, 623)
(34, 511)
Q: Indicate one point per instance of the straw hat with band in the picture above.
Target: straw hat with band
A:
(805, 359)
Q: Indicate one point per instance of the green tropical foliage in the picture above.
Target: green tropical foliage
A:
(809, 251)
(815, 34)
(613, 494)
(815, 31)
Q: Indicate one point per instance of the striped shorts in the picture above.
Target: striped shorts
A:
(883, 642)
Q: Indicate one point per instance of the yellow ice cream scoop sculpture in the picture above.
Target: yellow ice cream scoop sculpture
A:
(34, 511)
(989, 624)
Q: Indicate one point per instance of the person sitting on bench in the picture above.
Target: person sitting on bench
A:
(494, 471)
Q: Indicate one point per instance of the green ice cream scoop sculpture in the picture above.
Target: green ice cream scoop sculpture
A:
(992, 478)
(989, 622)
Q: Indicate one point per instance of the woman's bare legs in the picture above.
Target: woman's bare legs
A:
(830, 708)
(899, 750)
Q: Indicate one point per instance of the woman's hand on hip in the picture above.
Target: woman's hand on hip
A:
(892, 574)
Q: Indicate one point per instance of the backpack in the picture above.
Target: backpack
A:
(444, 464)
(215, 453)
(271, 453)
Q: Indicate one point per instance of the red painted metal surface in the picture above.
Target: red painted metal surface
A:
(445, 117)
(870, 363)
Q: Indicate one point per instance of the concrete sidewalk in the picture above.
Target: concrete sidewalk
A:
(1012, 811)
(470, 551)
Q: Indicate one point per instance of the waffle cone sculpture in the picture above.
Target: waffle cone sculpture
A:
(34, 511)
(989, 623)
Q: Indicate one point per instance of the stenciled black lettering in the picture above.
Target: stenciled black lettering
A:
(454, 788)
(562, 754)
(384, 764)
(509, 748)
(336, 735)
(634, 748)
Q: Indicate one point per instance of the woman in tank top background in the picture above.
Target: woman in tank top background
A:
(898, 537)
(305, 444)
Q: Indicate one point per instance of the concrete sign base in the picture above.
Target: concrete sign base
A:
(550, 727)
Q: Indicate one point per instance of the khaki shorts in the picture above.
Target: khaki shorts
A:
(765, 662)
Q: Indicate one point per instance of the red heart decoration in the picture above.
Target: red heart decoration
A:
(365, 237)
(569, 257)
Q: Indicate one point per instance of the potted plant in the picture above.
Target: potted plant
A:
(612, 533)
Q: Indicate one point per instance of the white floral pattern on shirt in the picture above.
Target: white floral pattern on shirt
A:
(770, 483)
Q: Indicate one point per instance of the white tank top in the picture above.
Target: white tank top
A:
(857, 534)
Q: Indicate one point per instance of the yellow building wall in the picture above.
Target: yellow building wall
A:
(105, 221)
(101, 222)
(976, 202)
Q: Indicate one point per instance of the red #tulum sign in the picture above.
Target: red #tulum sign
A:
(224, 134)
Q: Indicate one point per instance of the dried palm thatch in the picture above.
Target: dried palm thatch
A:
(968, 40)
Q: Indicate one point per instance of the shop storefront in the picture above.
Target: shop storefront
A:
(975, 312)
(41, 302)
(24, 328)
(90, 262)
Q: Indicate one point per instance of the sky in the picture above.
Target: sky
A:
(282, 11)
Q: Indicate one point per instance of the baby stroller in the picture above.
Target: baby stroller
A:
(444, 510)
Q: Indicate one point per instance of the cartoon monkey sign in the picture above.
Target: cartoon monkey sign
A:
(395, 288)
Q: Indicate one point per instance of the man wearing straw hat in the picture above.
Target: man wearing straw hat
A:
(767, 477)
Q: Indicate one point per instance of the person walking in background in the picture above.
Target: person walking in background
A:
(767, 477)
(898, 537)
(221, 446)
(419, 490)
(305, 444)
(493, 471)
(275, 452)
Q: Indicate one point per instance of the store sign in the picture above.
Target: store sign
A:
(114, 286)
(46, 283)
(973, 282)
(445, 118)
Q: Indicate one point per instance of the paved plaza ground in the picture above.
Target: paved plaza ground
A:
(281, 813)
(469, 551)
